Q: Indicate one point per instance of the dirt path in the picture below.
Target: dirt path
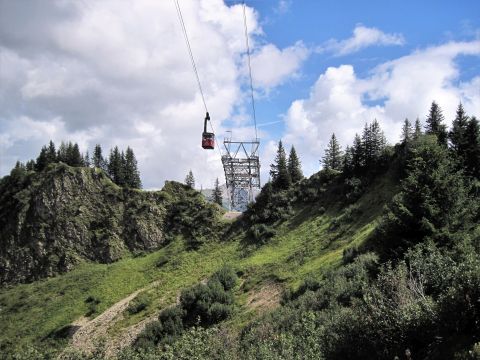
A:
(90, 332)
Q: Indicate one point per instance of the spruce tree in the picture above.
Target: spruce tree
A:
(132, 175)
(51, 153)
(348, 161)
(333, 158)
(407, 132)
(97, 159)
(217, 194)
(434, 124)
(86, 159)
(418, 129)
(279, 170)
(62, 153)
(472, 152)
(377, 143)
(190, 180)
(116, 167)
(458, 135)
(357, 155)
(294, 166)
(75, 158)
(42, 159)
(30, 166)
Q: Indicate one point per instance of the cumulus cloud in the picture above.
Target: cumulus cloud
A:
(362, 37)
(273, 65)
(341, 102)
(118, 73)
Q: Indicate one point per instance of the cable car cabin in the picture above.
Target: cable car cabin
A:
(208, 140)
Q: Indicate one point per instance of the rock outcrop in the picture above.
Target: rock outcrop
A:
(52, 220)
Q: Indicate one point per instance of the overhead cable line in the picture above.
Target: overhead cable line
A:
(184, 30)
(250, 70)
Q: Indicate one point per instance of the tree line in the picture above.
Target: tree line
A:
(120, 166)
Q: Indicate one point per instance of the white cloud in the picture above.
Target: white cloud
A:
(273, 66)
(118, 73)
(341, 102)
(362, 37)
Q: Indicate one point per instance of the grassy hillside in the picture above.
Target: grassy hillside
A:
(310, 241)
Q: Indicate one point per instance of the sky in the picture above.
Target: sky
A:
(117, 73)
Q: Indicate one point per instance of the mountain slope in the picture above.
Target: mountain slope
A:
(308, 242)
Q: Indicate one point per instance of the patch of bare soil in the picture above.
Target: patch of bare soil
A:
(265, 298)
(89, 333)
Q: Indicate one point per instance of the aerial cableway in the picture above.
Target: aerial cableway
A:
(240, 159)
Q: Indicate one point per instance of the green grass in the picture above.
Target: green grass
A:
(303, 246)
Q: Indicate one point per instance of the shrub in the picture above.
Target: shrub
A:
(139, 303)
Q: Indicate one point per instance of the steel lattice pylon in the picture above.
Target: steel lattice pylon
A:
(242, 171)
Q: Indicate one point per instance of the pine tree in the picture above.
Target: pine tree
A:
(42, 159)
(217, 194)
(279, 170)
(190, 180)
(30, 166)
(98, 160)
(86, 159)
(333, 158)
(357, 154)
(376, 146)
(116, 167)
(472, 152)
(51, 153)
(294, 166)
(407, 132)
(458, 134)
(62, 153)
(348, 161)
(75, 158)
(434, 124)
(132, 175)
(418, 129)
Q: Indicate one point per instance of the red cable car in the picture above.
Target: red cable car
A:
(208, 138)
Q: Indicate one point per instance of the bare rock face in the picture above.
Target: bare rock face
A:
(52, 220)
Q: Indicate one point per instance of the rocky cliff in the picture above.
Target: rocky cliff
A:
(51, 221)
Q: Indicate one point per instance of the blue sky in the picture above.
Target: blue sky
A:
(117, 73)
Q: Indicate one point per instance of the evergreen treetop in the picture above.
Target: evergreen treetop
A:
(190, 180)
(294, 166)
(217, 196)
(333, 158)
(279, 170)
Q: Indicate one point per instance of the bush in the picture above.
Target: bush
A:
(139, 303)
(261, 233)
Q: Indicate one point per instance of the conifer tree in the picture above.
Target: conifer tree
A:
(51, 153)
(116, 167)
(348, 161)
(357, 154)
(190, 180)
(472, 152)
(279, 170)
(75, 158)
(407, 132)
(62, 153)
(418, 129)
(434, 124)
(294, 166)
(97, 159)
(458, 134)
(217, 194)
(86, 159)
(132, 175)
(30, 165)
(42, 159)
(333, 158)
